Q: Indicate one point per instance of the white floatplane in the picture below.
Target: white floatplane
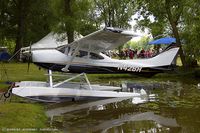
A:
(69, 91)
(84, 56)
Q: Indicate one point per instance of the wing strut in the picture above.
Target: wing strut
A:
(79, 75)
(65, 69)
(50, 78)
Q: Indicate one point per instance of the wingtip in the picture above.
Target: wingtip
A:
(116, 30)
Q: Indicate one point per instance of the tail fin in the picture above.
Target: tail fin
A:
(165, 58)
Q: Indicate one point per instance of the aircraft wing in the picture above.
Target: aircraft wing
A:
(99, 41)
(103, 40)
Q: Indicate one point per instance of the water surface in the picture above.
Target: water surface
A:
(173, 107)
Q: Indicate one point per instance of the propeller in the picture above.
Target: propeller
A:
(29, 58)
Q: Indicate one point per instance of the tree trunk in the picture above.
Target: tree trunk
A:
(113, 16)
(20, 26)
(69, 28)
(178, 43)
(173, 24)
(109, 14)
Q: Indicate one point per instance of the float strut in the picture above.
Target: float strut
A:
(50, 78)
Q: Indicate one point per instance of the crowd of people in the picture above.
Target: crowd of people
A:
(132, 53)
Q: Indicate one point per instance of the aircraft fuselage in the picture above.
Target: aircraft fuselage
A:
(97, 63)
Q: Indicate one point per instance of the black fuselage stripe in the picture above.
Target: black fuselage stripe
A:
(97, 69)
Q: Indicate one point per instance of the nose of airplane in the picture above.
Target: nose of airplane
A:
(25, 54)
(48, 56)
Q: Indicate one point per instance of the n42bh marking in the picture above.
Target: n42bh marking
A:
(130, 68)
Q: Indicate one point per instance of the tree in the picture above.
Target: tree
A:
(4, 17)
(191, 30)
(38, 21)
(71, 15)
(174, 10)
(22, 8)
(23, 21)
(166, 12)
(114, 13)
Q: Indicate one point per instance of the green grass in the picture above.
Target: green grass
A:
(18, 72)
(22, 115)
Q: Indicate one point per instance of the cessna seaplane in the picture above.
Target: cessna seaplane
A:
(85, 55)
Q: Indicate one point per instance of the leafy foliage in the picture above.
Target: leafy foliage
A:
(191, 30)
(114, 13)
(26, 21)
(74, 19)
(21, 19)
(139, 45)
(169, 18)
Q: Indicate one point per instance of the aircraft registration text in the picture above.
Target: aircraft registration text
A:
(130, 68)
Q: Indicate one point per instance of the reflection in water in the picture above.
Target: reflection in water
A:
(123, 117)
(99, 105)
(75, 107)
(147, 116)
(175, 109)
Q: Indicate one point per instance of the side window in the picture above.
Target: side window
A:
(96, 56)
(82, 54)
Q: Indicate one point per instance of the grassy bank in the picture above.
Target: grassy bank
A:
(21, 116)
(16, 116)
(13, 72)
(18, 71)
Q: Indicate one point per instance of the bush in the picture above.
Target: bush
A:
(191, 62)
(197, 73)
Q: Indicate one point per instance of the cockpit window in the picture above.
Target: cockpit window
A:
(96, 56)
(82, 54)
